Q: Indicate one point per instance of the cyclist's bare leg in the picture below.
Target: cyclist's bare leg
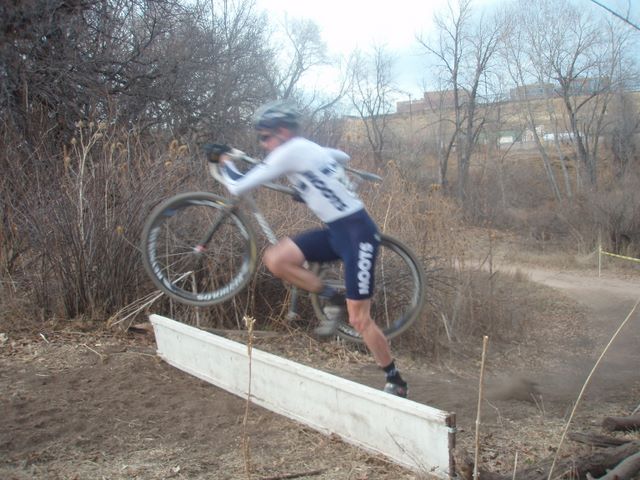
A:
(286, 261)
(360, 317)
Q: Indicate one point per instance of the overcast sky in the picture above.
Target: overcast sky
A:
(349, 24)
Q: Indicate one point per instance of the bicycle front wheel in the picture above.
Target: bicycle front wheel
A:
(398, 296)
(198, 249)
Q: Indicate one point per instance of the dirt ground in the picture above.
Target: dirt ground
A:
(93, 405)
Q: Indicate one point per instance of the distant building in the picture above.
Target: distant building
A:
(431, 101)
(578, 86)
(509, 136)
(410, 106)
(445, 99)
(533, 91)
(588, 85)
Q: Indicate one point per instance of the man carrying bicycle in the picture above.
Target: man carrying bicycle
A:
(350, 234)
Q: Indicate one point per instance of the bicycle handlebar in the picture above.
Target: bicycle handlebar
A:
(372, 177)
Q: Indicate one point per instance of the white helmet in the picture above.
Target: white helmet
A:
(275, 115)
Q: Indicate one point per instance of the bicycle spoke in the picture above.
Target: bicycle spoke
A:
(198, 250)
(398, 296)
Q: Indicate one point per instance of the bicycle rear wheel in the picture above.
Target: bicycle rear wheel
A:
(198, 249)
(398, 296)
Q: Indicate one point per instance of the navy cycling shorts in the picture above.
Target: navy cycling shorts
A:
(354, 240)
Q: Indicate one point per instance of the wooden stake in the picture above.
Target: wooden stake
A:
(485, 340)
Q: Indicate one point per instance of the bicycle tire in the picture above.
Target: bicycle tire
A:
(398, 296)
(198, 276)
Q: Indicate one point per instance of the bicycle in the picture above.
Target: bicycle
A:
(200, 249)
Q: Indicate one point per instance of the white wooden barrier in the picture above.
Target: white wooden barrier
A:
(411, 434)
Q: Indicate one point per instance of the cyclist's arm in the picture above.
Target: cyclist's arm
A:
(238, 183)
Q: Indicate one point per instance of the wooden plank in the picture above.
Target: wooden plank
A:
(411, 434)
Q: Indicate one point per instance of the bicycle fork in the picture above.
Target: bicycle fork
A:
(201, 246)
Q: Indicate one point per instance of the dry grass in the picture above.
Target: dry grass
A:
(81, 259)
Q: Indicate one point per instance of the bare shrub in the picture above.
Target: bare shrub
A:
(82, 231)
(72, 220)
(81, 222)
(609, 217)
(463, 301)
(161, 65)
(79, 216)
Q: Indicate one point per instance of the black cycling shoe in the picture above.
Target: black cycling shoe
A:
(397, 389)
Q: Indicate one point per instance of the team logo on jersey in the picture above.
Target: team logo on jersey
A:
(330, 169)
(365, 263)
(326, 191)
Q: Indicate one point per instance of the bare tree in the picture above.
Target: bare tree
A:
(302, 50)
(623, 133)
(464, 50)
(232, 53)
(581, 56)
(448, 50)
(91, 92)
(159, 64)
(520, 63)
(297, 56)
(371, 95)
(579, 63)
(446, 130)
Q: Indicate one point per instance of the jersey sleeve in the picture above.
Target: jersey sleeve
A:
(273, 167)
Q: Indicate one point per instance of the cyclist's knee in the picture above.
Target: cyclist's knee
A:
(361, 323)
(277, 258)
(272, 259)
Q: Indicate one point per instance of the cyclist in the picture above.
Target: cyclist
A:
(350, 234)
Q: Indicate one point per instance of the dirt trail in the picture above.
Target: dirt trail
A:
(561, 365)
(608, 301)
(89, 405)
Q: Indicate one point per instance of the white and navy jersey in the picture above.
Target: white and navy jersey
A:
(314, 171)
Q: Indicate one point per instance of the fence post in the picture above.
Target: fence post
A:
(599, 252)
(599, 259)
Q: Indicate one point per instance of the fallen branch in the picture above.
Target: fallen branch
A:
(597, 440)
(621, 424)
(295, 475)
(625, 470)
(102, 357)
(129, 311)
